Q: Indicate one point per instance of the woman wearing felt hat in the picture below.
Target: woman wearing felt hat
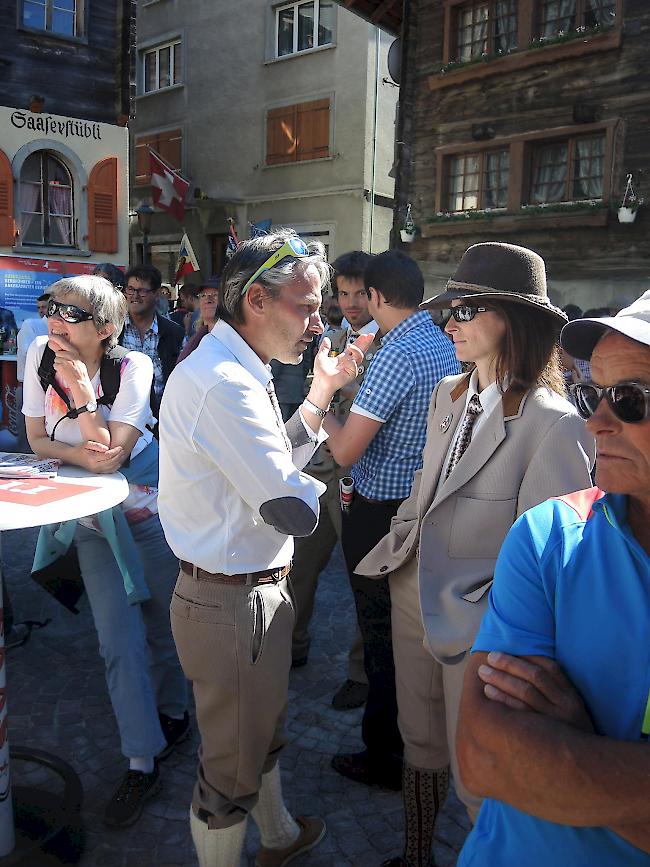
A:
(501, 438)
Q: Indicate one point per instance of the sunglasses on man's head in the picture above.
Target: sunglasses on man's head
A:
(294, 248)
(69, 313)
(465, 312)
(629, 401)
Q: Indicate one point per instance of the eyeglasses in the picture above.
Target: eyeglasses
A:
(69, 313)
(131, 290)
(208, 296)
(465, 313)
(629, 401)
(294, 247)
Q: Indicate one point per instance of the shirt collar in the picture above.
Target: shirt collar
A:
(489, 397)
(153, 327)
(369, 328)
(412, 321)
(614, 507)
(249, 360)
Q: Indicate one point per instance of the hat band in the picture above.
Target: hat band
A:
(472, 287)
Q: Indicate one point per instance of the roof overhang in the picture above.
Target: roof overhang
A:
(386, 14)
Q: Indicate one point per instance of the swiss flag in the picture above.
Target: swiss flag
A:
(168, 188)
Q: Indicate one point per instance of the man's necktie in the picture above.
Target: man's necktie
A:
(270, 390)
(474, 409)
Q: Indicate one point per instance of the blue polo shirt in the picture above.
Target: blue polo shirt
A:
(397, 391)
(578, 591)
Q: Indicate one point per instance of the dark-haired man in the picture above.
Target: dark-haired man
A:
(145, 331)
(312, 553)
(383, 439)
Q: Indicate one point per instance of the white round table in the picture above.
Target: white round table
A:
(44, 501)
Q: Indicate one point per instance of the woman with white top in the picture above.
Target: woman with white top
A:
(501, 438)
(128, 569)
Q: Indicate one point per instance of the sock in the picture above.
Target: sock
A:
(423, 793)
(276, 824)
(218, 847)
(141, 763)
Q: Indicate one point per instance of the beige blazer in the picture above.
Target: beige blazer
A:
(532, 447)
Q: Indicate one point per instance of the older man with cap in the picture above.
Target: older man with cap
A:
(231, 498)
(555, 714)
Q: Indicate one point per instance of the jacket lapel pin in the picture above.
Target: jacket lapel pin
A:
(444, 424)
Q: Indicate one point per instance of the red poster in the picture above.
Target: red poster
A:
(38, 492)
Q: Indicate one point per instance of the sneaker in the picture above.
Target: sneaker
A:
(125, 807)
(175, 730)
(312, 831)
(352, 694)
(359, 767)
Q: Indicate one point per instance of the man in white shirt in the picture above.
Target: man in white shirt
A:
(231, 499)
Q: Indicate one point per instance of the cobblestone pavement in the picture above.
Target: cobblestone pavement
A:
(58, 702)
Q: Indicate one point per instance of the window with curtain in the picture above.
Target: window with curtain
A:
(46, 201)
(63, 17)
(162, 66)
(570, 170)
(560, 16)
(478, 180)
(485, 28)
(301, 26)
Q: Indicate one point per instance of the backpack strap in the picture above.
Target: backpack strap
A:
(109, 374)
(47, 375)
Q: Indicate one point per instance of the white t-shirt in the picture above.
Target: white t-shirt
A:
(131, 406)
(30, 329)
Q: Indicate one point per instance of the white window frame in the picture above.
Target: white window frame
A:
(295, 50)
(171, 44)
(78, 19)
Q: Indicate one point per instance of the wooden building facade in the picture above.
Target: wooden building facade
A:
(521, 121)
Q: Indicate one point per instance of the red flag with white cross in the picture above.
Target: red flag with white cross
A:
(169, 188)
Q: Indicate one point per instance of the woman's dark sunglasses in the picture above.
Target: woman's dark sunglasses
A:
(629, 401)
(465, 313)
(69, 313)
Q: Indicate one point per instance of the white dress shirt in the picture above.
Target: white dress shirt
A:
(231, 494)
(29, 330)
(490, 399)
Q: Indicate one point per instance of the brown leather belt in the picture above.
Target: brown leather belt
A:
(268, 576)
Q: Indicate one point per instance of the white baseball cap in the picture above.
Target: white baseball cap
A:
(580, 337)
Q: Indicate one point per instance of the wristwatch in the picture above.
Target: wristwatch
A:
(91, 406)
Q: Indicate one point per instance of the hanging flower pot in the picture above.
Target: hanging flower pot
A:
(407, 235)
(626, 215)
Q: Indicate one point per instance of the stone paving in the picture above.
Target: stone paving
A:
(58, 702)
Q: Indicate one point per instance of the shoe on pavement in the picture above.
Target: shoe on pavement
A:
(127, 803)
(386, 773)
(175, 730)
(312, 831)
(352, 694)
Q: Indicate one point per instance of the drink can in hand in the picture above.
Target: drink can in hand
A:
(346, 493)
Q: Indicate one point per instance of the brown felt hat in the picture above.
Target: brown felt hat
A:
(499, 272)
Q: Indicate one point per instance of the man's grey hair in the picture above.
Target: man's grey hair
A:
(251, 255)
(106, 303)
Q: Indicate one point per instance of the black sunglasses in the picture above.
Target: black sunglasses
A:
(69, 313)
(629, 401)
(465, 313)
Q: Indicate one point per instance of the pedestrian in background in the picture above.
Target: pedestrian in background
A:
(208, 302)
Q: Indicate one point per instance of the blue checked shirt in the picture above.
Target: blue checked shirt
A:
(132, 339)
(397, 391)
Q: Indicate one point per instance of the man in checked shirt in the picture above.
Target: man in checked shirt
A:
(231, 499)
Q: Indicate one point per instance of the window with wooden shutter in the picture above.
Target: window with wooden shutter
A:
(295, 133)
(168, 144)
(102, 207)
(7, 225)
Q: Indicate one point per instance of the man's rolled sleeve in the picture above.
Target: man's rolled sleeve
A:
(388, 381)
(253, 455)
(520, 619)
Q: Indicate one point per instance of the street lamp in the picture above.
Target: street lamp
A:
(145, 213)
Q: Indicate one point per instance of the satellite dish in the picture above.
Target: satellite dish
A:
(395, 60)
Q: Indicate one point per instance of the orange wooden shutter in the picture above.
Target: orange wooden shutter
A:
(7, 224)
(281, 135)
(313, 129)
(102, 207)
(142, 170)
(170, 146)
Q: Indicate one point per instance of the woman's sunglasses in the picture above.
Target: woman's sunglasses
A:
(465, 313)
(69, 313)
(629, 401)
